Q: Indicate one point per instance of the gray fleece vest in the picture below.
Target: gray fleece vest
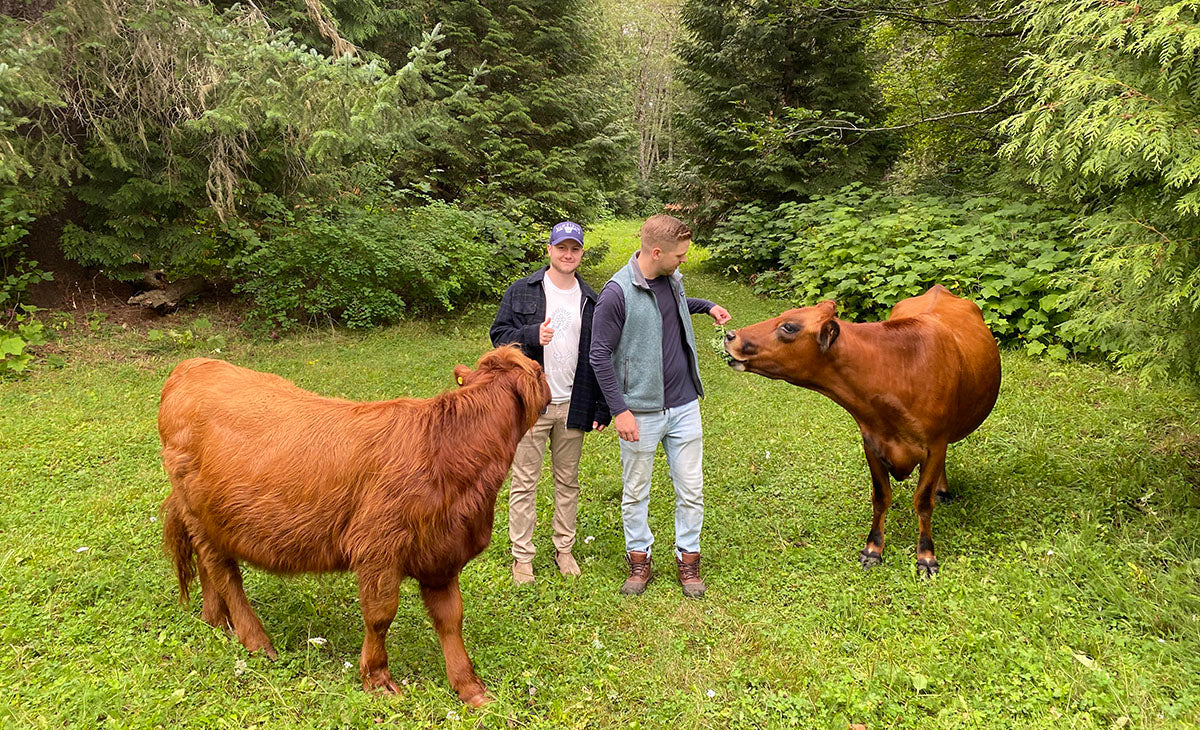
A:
(637, 358)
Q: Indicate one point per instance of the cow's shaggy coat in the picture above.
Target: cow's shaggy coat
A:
(265, 473)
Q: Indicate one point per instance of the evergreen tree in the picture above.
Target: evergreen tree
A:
(943, 71)
(179, 127)
(750, 66)
(1110, 120)
(539, 139)
(539, 134)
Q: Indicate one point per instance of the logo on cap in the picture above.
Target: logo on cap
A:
(566, 230)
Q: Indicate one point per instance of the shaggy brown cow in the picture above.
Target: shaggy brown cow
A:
(286, 480)
(925, 378)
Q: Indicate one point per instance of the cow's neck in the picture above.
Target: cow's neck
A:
(861, 376)
(472, 447)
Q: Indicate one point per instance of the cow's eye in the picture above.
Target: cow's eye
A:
(789, 328)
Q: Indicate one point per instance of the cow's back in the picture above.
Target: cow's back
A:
(973, 381)
(232, 441)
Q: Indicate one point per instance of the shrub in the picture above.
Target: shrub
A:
(361, 264)
(18, 329)
(868, 249)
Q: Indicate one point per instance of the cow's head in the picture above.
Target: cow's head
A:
(507, 365)
(791, 347)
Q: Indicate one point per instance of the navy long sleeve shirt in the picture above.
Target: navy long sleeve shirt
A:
(607, 325)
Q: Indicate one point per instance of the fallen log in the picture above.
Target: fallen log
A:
(169, 297)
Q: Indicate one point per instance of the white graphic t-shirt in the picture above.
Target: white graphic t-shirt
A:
(562, 354)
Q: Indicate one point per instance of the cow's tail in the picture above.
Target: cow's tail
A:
(177, 543)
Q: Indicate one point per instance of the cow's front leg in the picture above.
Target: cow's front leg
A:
(933, 475)
(444, 604)
(881, 501)
(379, 594)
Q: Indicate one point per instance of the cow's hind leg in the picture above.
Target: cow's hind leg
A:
(881, 501)
(933, 476)
(941, 490)
(444, 604)
(214, 612)
(379, 594)
(225, 578)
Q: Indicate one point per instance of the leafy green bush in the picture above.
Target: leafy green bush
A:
(868, 250)
(22, 333)
(360, 263)
(18, 329)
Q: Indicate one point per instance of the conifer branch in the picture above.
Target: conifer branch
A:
(843, 125)
(341, 46)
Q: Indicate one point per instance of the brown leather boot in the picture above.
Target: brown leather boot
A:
(640, 573)
(689, 575)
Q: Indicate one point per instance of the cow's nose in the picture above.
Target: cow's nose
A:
(731, 335)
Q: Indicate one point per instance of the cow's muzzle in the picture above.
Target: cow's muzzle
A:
(735, 353)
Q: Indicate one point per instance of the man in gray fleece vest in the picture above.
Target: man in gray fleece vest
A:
(644, 355)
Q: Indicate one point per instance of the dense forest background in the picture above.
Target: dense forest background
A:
(357, 161)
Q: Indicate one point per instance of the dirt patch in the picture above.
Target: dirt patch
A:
(76, 289)
(84, 297)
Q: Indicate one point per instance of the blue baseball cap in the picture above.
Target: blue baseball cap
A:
(564, 231)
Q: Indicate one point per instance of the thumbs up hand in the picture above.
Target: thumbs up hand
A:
(545, 333)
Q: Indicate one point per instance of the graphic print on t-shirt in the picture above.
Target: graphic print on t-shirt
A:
(562, 321)
(561, 355)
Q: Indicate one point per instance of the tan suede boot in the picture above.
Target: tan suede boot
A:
(567, 565)
(640, 573)
(522, 573)
(689, 575)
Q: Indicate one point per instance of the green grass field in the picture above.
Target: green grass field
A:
(1069, 592)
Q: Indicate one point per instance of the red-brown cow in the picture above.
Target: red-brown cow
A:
(925, 378)
(286, 480)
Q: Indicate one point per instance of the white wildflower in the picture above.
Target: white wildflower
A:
(318, 641)
(588, 539)
(711, 694)
(451, 715)
(768, 454)
(597, 643)
(346, 666)
(81, 550)
(239, 667)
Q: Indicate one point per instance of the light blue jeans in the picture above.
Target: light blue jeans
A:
(678, 429)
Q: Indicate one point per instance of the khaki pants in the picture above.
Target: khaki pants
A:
(566, 445)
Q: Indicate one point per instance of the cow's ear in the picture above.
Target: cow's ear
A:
(828, 307)
(462, 374)
(828, 334)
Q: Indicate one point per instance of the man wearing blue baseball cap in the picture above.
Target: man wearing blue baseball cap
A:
(549, 314)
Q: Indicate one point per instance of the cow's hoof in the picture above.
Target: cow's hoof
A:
(869, 559)
(927, 568)
(479, 700)
(381, 681)
(944, 496)
(263, 646)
